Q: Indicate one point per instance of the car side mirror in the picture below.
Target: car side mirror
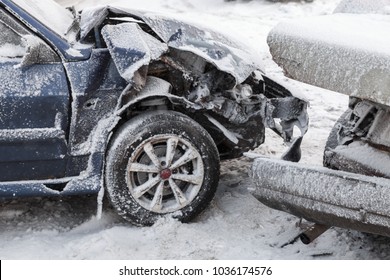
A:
(37, 52)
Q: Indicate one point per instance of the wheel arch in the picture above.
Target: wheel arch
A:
(156, 95)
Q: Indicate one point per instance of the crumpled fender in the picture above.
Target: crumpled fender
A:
(154, 87)
(224, 53)
(131, 50)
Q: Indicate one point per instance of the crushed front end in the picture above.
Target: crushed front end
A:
(212, 78)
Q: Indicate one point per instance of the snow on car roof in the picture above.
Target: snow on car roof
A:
(49, 13)
(341, 30)
(364, 7)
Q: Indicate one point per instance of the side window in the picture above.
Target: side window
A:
(16, 42)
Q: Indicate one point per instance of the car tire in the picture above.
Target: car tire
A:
(161, 163)
(333, 138)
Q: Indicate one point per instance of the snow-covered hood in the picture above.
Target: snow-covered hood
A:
(226, 54)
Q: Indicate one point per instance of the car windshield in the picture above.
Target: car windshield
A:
(48, 12)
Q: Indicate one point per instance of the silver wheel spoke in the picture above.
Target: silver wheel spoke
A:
(193, 179)
(171, 149)
(141, 190)
(149, 150)
(188, 156)
(156, 204)
(157, 173)
(179, 195)
(138, 167)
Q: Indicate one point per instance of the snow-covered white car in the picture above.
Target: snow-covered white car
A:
(139, 104)
(347, 52)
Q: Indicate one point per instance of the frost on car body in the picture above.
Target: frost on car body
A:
(81, 95)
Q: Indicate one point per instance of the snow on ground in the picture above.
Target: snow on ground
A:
(236, 225)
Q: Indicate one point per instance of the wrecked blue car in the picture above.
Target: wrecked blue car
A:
(135, 104)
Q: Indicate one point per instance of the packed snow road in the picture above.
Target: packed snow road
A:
(236, 225)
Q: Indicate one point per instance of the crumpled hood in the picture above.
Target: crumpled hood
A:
(226, 54)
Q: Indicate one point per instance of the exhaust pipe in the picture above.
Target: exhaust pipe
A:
(309, 235)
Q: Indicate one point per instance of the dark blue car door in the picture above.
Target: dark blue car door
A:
(34, 106)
